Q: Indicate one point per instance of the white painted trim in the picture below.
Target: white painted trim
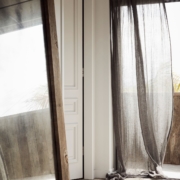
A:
(89, 89)
(98, 131)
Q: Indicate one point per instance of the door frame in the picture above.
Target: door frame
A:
(91, 169)
(89, 90)
(98, 125)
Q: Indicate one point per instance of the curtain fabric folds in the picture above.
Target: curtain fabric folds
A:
(142, 91)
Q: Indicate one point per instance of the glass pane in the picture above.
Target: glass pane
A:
(173, 12)
(26, 150)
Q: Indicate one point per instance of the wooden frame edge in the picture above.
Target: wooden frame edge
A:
(55, 92)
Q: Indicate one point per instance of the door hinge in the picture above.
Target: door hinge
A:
(82, 72)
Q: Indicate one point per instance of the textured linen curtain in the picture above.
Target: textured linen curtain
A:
(142, 90)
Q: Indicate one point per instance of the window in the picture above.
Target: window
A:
(23, 71)
(173, 12)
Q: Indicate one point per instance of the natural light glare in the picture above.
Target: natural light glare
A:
(44, 177)
(173, 12)
(22, 70)
(172, 171)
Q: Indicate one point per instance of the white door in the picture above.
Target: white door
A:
(69, 27)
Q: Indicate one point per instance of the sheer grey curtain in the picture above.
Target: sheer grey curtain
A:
(141, 85)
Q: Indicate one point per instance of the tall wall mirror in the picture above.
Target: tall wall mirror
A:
(26, 125)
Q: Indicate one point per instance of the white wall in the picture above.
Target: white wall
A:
(98, 110)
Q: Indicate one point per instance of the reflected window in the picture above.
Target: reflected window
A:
(23, 73)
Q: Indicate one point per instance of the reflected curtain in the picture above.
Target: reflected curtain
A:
(142, 91)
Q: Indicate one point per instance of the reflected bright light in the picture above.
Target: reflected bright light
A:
(173, 13)
(171, 171)
(44, 177)
(23, 74)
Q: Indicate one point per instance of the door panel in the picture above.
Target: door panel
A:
(72, 59)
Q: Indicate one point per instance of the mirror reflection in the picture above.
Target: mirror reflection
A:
(26, 150)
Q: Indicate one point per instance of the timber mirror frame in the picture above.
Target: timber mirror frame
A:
(55, 92)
